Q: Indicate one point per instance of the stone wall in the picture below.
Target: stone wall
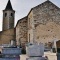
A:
(48, 33)
(6, 36)
(30, 27)
(46, 20)
(8, 20)
(21, 31)
(46, 12)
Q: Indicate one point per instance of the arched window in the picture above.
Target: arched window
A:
(5, 14)
(11, 14)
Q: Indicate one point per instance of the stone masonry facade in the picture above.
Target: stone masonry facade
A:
(6, 36)
(21, 31)
(47, 22)
(43, 22)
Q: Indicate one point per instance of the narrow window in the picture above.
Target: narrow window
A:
(11, 14)
(29, 37)
(5, 14)
(19, 42)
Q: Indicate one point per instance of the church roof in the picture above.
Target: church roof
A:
(48, 1)
(9, 6)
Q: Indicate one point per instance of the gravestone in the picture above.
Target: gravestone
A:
(9, 53)
(35, 51)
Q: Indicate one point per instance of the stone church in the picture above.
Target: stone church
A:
(42, 24)
(8, 32)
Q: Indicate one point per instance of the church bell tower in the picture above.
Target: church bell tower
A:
(8, 17)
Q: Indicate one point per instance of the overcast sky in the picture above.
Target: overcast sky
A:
(22, 7)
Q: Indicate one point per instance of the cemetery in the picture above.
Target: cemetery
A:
(34, 51)
(38, 52)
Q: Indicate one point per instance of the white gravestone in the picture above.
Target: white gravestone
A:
(35, 50)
